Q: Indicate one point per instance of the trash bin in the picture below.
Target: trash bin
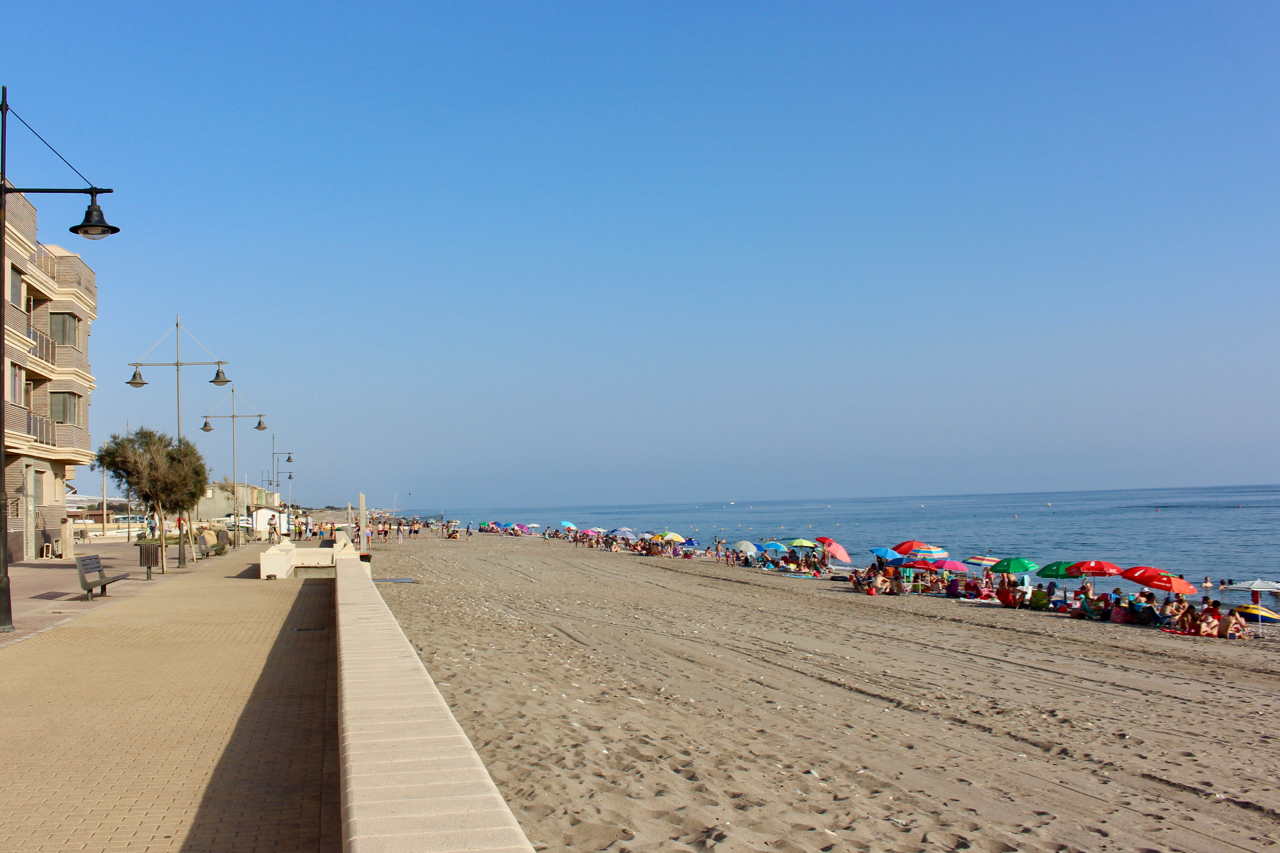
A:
(148, 557)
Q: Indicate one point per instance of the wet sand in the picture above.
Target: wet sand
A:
(642, 704)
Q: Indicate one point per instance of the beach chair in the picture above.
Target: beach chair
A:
(1101, 612)
(1039, 600)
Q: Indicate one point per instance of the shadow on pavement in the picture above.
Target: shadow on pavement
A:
(276, 785)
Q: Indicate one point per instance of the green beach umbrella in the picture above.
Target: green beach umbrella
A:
(801, 543)
(1014, 566)
(1057, 570)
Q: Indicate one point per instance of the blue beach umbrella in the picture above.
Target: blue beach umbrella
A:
(569, 524)
(885, 553)
(774, 546)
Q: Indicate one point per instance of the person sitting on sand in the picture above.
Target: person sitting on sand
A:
(1210, 618)
(1232, 626)
(879, 584)
(1189, 620)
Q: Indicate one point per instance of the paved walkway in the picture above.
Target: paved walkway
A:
(47, 593)
(198, 715)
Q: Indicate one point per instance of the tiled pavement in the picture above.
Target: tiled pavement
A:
(197, 716)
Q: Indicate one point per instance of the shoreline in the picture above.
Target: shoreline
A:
(643, 704)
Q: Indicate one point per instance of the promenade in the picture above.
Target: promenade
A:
(195, 713)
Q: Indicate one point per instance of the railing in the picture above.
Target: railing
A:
(46, 349)
(45, 260)
(43, 429)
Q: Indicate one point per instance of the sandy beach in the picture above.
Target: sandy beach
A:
(639, 704)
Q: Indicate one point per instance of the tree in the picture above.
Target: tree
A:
(167, 476)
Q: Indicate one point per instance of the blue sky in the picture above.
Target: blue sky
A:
(575, 253)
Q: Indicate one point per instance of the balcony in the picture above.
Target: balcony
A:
(43, 429)
(45, 349)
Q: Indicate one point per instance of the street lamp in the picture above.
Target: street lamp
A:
(235, 474)
(94, 227)
(219, 379)
(275, 463)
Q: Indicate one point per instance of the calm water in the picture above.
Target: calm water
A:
(1224, 532)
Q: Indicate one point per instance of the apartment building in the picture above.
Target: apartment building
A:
(50, 301)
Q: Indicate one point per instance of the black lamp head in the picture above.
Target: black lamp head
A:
(261, 426)
(290, 459)
(137, 381)
(220, 378)
(95, 225)
(207, 426)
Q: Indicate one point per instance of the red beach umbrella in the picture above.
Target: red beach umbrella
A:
(920, 564)
(1094, 568)
(1153, 578)
(909, 546)
(950, 566)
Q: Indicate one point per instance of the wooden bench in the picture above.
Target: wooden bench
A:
(92, 575)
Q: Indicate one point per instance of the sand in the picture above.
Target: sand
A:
(642, 704)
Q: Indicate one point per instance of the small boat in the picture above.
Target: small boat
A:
(1257, 613)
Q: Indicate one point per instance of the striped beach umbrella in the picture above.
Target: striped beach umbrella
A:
(982, 562)
(929, 553)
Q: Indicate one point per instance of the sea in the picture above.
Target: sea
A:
(1220, 533)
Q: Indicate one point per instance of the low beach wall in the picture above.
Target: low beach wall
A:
(411, 780)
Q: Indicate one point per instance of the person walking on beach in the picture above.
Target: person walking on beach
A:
(468, 531)
(400, 533)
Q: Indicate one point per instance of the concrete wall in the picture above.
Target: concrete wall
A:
(411, 780)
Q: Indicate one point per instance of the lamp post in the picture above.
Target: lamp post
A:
(289, 502)
(235, 474)
(137, 381)
(94, 227)
(275, 464)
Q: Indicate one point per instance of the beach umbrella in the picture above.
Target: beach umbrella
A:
(1153, 578)
(774, 546)
(693, 543)
(981, 561)
(673, 537)
(589, 532)
(928, 552)
(919, 564)
(1058, 570)
(744, 546)
(835, 549)
(1014, 566)
(906, 547)
(535, 525)
(523, 527)
(885, 553)
(598, 529)
(1094, 569)
(949, 566)
(801, 543)
(569, 524)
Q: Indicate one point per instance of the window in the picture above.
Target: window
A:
(15, 286)
(63, 328)
(37, 487)
(64, 407)
(17, 384)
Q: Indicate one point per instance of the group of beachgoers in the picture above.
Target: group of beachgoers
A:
(898, 573)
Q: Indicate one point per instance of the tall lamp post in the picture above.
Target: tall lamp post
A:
(94, 227)
(137, 381)
(275, 463)
(235, 474)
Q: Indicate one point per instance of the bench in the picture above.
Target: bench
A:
(91, 565)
